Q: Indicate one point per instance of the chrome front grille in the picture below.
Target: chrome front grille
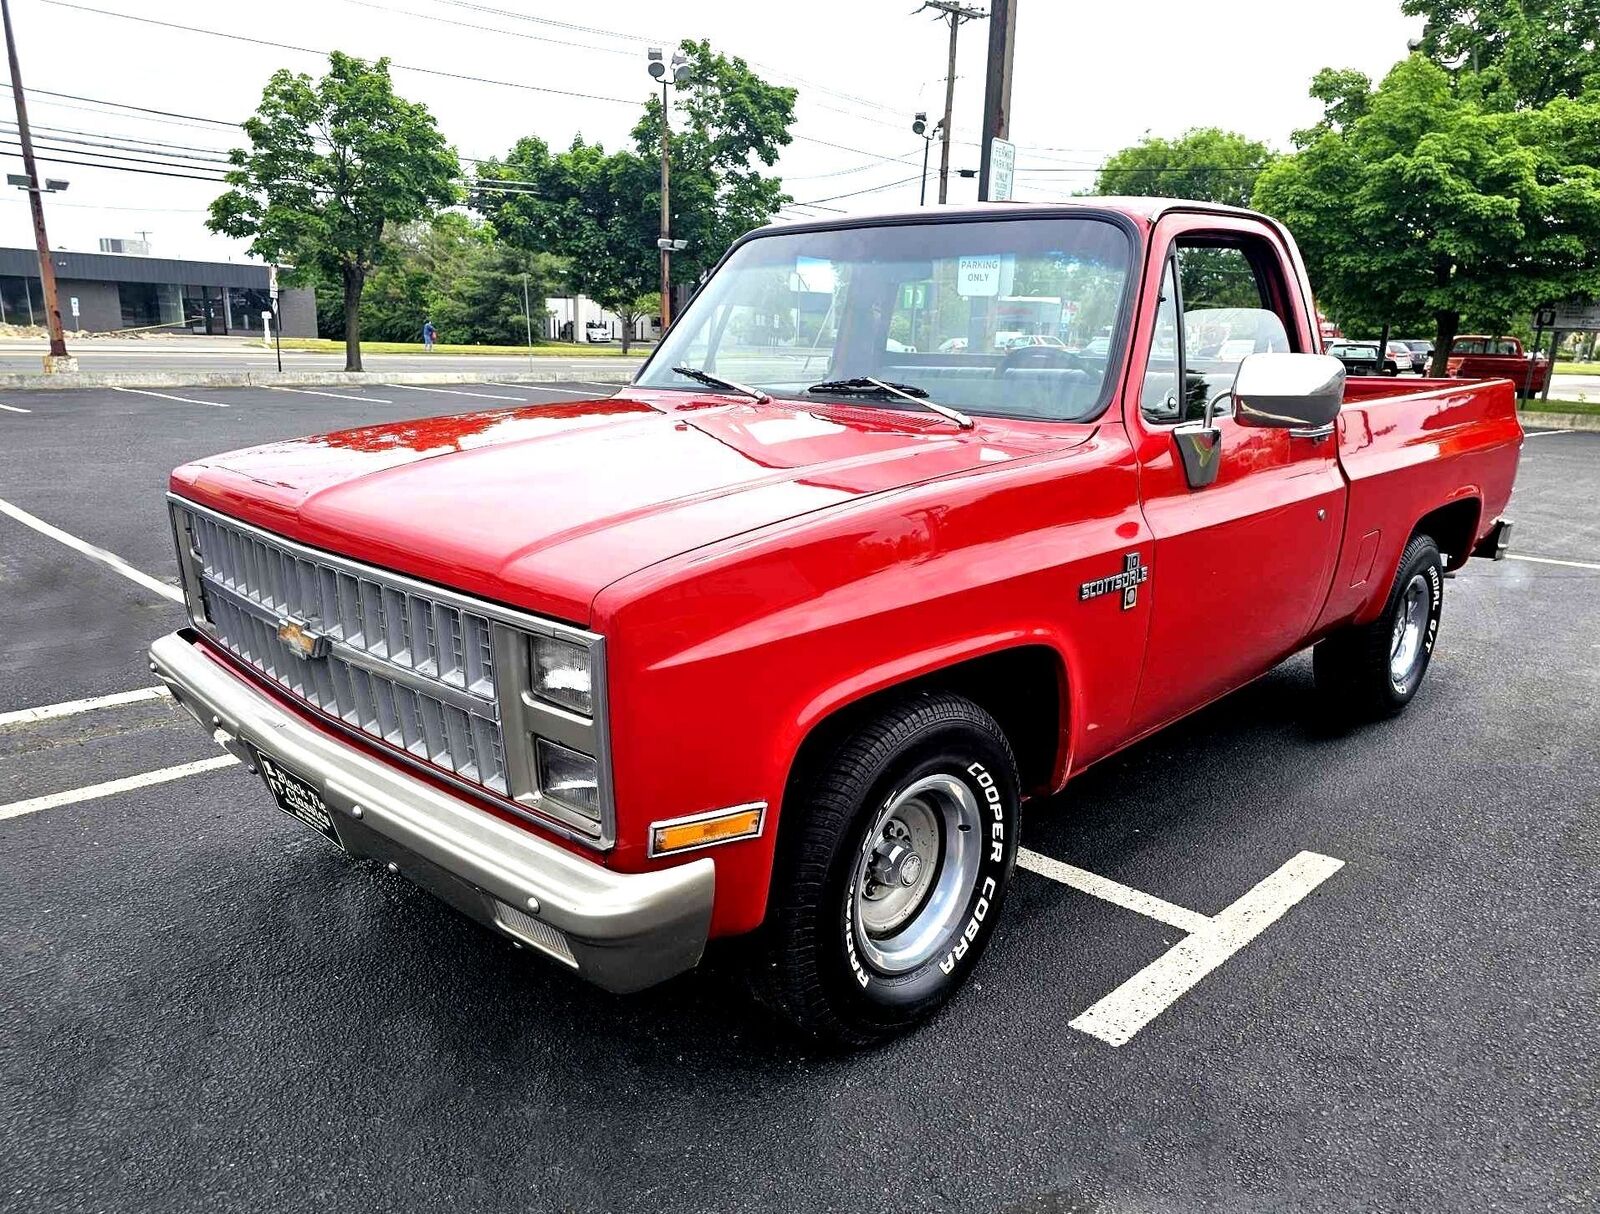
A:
(409, 666)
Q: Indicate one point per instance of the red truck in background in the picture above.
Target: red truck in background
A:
(776, 640)
(1476, 356)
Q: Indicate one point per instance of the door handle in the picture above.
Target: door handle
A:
(1315, 433)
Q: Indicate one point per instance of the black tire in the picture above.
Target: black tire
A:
(816, 960)
(1364, 673)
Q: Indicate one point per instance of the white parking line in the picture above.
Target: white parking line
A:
(1139, 1000)
(15, 409)
(111, 787)
(336, 395)
(48, 712)
(1545, 433)
(1108, 890)
(188, 400)
(455, 392)
(1550, 560)
(110, 559)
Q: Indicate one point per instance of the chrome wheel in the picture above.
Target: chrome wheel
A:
(1410, 624)
(917, 870)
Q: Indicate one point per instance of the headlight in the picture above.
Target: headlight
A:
(561, 675)
(569, 777)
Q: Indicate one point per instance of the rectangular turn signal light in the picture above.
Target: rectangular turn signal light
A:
(704, 830)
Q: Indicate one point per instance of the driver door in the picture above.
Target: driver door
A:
(1242, 564)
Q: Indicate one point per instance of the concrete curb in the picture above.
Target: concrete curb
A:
(1560, 421)
(25, 382)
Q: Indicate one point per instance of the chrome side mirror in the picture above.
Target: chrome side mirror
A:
(1288, 391)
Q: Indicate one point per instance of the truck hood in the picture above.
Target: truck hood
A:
(543, 507)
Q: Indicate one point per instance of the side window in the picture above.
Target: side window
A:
(1158, 400)
(1228, 311)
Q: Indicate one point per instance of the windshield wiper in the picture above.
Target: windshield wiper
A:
(865, 385)
(716, 381)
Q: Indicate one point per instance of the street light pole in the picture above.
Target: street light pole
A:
(58, 359)
(666, 214)
(673, 72)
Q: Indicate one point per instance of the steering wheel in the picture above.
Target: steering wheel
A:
(1039, 356)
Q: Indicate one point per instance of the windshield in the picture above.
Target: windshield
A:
(1009, 318)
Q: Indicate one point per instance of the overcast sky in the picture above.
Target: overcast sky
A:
(1090, 78)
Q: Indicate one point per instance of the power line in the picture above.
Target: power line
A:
(121, 105)
(457, 23)
(310, 50)
(154, 143)
(888, 185)
(101, 143)
(115, 168)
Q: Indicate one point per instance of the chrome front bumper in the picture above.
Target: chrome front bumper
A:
(621, 931)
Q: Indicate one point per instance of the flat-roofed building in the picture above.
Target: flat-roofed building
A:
(119, 291)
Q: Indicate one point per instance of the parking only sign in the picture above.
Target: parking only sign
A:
(74, 305)
(978, 275)
(1002, 169)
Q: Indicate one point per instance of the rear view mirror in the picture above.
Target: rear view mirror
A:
(1288, 391)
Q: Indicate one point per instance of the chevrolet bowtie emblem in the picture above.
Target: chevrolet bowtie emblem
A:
(303, 641)
(1128, 582)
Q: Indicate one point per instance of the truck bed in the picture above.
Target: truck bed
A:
(1406, 446)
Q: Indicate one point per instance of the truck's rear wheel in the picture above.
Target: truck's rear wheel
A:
(892, 867)
(1373, 670)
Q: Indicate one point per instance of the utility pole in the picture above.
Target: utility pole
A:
(58, 359)
(997, 85)
(955, 13)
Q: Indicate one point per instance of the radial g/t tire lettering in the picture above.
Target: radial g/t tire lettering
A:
(1373, 670)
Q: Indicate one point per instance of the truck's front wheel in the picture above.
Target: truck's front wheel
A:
(892, 867)
(1373, 670)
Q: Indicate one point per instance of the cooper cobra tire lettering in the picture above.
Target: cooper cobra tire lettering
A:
(837, 957)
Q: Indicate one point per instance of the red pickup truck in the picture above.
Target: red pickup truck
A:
(1476, 356)
(775, 641)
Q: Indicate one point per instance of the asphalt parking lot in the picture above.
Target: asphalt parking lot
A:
(204, 1006)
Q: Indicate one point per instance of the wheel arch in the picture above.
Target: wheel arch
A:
(1025, 687)
(1454, 527)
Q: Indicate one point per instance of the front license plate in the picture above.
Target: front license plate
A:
(296, 797)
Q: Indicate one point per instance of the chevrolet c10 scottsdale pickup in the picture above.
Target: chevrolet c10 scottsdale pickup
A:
(907, 519)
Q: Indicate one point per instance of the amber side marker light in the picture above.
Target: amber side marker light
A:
(705, 830)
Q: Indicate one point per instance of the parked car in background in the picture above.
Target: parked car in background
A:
(1043, 340)
(1358, 357)
(1421, 353)
(1475, 356)
(1398, 357)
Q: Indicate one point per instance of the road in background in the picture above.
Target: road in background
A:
(234, 354)
(206, 1006)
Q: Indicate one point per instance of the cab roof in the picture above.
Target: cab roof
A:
(1144, 209)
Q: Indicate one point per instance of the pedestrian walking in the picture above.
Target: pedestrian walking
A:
(428, 334)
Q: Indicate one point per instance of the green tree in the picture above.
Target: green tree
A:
(333, 164)
(1517, 52)
(600, 211)
(1417, 205)
(1205, 163)
(453, 271)
(584, 205)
